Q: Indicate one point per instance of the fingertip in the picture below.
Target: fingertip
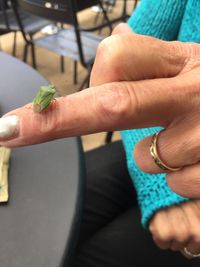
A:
(122, 28)
(9, 126)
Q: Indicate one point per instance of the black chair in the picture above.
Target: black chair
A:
(73, 42)
(3, 5)
(10, 23)
(136, 2)
(109, 7)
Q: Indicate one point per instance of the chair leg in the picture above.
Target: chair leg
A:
(62, 64)
(33, 56)
(25, 52)
(32, 52)
(85, 82)
(108, 138)
(135, 4)
(96, 18)
(14, 44)
(75, 72)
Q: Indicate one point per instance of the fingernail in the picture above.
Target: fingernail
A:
(8, 126)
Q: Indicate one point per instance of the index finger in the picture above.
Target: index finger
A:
(114, 106)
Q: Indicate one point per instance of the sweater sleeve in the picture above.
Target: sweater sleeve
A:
(153, 193)
(190, 26)
(160, 19)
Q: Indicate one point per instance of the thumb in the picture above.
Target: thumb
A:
(122, 28)
(131, 57)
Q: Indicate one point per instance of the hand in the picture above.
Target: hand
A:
(177, 227)
(137, 82)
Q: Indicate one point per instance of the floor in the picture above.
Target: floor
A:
(48, 64)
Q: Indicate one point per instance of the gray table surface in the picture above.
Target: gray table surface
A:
(39, 225)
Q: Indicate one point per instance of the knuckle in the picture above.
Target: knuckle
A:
(162, 235)
(156, 221)
(152, 228)
(195, 234)
(104, 44)
(114, 102)
(107, 48)
(179, 54)
(175, 246)
(192, 50)
(186, 55)
(182, 237)
(110, 53)
(165, 237)
(181, 233)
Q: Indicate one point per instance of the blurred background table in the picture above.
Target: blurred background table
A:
(39, 225)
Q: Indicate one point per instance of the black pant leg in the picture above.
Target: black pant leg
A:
(111, 232)
(124, 243)
(109, 189)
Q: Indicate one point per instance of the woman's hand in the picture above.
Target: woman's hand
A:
(137, 81)
(178, 227)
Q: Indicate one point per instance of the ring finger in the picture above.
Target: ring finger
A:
(192, 250)
(177, 146)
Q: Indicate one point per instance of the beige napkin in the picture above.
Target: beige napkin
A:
(4, 166)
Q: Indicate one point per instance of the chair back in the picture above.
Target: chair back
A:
(64, 11)
(9, 20)
(4, 15)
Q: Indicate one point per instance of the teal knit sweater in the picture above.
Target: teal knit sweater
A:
(167, 20)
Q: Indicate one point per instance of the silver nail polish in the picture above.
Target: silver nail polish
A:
(8, 125)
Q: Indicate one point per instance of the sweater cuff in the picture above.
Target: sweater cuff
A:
(153, 193)
(158, 18)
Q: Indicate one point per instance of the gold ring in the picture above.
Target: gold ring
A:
(188, 253)
(155, 155)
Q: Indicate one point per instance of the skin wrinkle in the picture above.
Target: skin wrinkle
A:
(182, 58)
(186, 177)
(188, 233)
(164, 245)
(186, 220)
(197, 210)
(178, 232)
(172, 56)
(156, 220)
(186, 145)
(49, 122)
(198, 206)
(78, 122)
(193, 245)
(111, 104)
(167, 146)
(192, 132)
(113, 64)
